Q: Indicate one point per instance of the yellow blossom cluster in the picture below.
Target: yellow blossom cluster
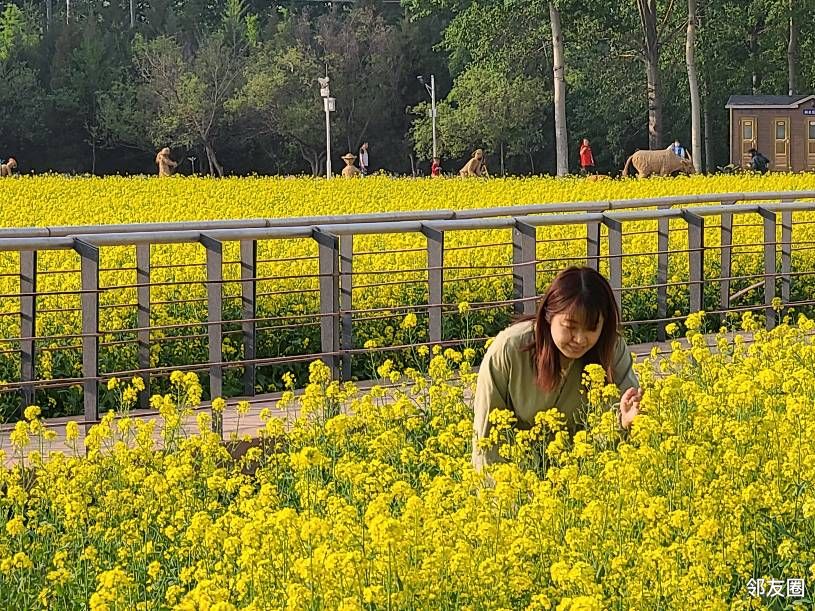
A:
(369, 500)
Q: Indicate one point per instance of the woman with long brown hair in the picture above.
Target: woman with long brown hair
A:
(537, 363)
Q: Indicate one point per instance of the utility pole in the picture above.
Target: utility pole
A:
(328, 105)
(431, 89)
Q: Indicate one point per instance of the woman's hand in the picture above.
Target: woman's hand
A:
(630, 406)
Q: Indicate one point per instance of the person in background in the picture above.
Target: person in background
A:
(363, 159)
(680, 151)
(586, 157)
(537, 363)
(758, 162)
(435, 167)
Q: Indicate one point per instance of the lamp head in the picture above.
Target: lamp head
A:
(420, 78)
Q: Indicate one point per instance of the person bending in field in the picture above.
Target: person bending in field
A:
(537, 363)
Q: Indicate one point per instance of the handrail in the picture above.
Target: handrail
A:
(176, 236)
(604, 231)
(409, 215)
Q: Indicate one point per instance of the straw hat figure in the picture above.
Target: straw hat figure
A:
(476, 166)
(350, 170)
(7, 169)
(166, 166)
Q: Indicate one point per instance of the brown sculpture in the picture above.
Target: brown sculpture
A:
(6, 168)
(166, 166)
(350, 170)
(477, 166)
(662, 162)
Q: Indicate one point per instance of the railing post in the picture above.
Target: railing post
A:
(524, 271)
(28, 322)
(143, 317)
(346, 292)
(215, 258)
(435, 282)
(663, 244)
(249, 259)
(593, 245)
(328, 248)
(615, 258)
(770, 244)
(89, 266)
(786, 255)
(726, 267)
(696, 259)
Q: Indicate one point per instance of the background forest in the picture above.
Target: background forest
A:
(90, 86)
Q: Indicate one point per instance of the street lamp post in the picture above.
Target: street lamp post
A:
(431, 89)
(328, 105)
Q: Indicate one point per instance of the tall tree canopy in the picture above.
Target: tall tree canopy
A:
(90, 87)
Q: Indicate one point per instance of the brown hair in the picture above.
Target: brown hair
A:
(587, 293)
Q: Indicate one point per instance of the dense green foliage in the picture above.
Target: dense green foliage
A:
(232, 83)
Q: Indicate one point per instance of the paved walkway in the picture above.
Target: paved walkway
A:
(247, 424)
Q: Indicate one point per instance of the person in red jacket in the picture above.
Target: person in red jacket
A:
(435, 168)
(586, 157)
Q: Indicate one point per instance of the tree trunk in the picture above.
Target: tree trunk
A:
(792, 51)
(648, 20)
(132, 14)
(755, 54)
(558, 70)
(214, 166)
(67, 10)
(531, 162)
(693, 85)
(48, 14)
(502, 160)
(708, 137)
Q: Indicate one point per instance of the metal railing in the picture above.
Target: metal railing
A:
(334, 236)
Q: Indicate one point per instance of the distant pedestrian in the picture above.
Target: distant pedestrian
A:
(363, 159)
(586, 157)
(758, 162)
(680, 151)
(435, 167)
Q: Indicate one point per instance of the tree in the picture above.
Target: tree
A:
(558, 70)
(793, 48)
(188, 94)
(693, 85)
(282, 98)
(363, 57)
(655, 34)
(485, 109)
(23, 101)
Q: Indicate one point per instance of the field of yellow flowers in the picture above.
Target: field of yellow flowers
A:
(368, 500)
(290, 266)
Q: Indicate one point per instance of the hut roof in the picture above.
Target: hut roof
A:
(767, 101)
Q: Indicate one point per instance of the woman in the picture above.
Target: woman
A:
(586, 157)
(537, 363)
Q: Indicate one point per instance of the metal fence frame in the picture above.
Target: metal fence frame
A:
(334, 237)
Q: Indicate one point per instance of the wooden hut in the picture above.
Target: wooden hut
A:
(780, 126)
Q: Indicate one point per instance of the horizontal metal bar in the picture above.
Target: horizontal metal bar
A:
(303, 231)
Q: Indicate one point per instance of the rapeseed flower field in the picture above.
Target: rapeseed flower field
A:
(368, 500)
(388, 269)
